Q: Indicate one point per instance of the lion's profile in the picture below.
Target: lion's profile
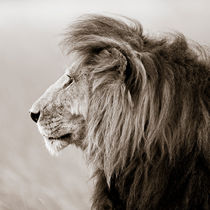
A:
(139, 108)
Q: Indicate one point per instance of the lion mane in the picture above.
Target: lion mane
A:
(148, 118)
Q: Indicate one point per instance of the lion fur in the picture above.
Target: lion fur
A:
(148, 119)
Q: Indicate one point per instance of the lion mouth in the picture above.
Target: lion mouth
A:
(64, 137)
(56, 144)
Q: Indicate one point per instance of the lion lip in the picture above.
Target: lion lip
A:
(62, 138)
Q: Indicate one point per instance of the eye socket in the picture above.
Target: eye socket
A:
(70, 80)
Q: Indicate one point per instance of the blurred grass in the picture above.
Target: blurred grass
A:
(30, 178)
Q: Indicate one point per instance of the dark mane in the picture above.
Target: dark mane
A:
(148, 124)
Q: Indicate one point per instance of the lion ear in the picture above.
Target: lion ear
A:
(113, 58)
(121, 60)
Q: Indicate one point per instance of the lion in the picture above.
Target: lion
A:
(138, 106)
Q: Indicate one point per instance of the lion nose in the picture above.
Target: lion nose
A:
(35, 116)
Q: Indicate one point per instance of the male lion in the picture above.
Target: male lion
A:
(139, 108)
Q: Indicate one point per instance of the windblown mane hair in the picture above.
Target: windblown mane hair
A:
(148, 120)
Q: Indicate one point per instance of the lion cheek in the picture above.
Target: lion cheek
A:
(79, 108)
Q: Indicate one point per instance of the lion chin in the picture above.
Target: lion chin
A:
(54, 146)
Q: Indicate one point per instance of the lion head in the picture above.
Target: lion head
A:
(61, 112)
(128, 98)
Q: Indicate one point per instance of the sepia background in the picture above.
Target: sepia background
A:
(30, 60)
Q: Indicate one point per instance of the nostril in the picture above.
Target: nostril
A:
(35, 116)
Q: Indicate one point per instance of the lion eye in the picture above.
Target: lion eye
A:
(70, 80)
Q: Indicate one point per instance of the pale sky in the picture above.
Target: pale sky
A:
(190, 17)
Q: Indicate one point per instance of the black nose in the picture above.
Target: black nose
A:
(35, 116)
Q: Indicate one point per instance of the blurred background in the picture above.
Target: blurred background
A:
(30, 60)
